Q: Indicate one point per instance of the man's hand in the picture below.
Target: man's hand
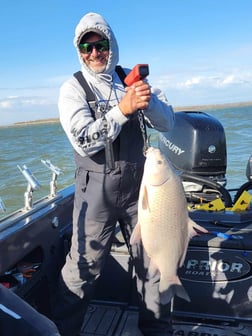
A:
(137, 97)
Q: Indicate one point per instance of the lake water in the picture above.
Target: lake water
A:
(29, 144)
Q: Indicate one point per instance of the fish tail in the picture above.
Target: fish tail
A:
(174, 289)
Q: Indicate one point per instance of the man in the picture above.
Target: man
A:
(108, 145)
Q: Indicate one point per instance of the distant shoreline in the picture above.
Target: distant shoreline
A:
(176, 109)
(39, 121)
(212, 106)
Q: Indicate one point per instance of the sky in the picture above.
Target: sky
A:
(199, 51)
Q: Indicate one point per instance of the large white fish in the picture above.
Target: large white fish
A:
(163, 223)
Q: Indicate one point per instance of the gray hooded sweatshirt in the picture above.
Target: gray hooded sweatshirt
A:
(78, 121)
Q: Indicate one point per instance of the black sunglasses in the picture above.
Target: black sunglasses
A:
(100, 46)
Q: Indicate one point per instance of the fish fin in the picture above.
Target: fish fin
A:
(136, 234)
(175, 288)
(145, 199)
(182, 259)
(192, 226)
(152, 269)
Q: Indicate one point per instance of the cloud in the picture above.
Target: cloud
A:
(217, 81)
(206, 86)
(191, 82)
(16, 108)
(23, 102)
(5, 104)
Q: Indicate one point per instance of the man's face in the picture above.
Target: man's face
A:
(95, 52)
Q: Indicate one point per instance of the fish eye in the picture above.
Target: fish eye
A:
(159, 162)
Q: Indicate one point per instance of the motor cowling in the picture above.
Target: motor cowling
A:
(196, 144)
(196, 147)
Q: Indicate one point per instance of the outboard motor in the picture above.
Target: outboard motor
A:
(196, 147)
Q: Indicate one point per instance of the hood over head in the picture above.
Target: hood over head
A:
(93, 22)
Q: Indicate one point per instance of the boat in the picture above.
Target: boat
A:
(216, 274)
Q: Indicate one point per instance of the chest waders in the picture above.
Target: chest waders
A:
(91, 100)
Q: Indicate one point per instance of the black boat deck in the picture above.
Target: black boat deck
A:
(110, 319)
(117, 319)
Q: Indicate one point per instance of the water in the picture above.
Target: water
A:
(29, 144)
(237, 123)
